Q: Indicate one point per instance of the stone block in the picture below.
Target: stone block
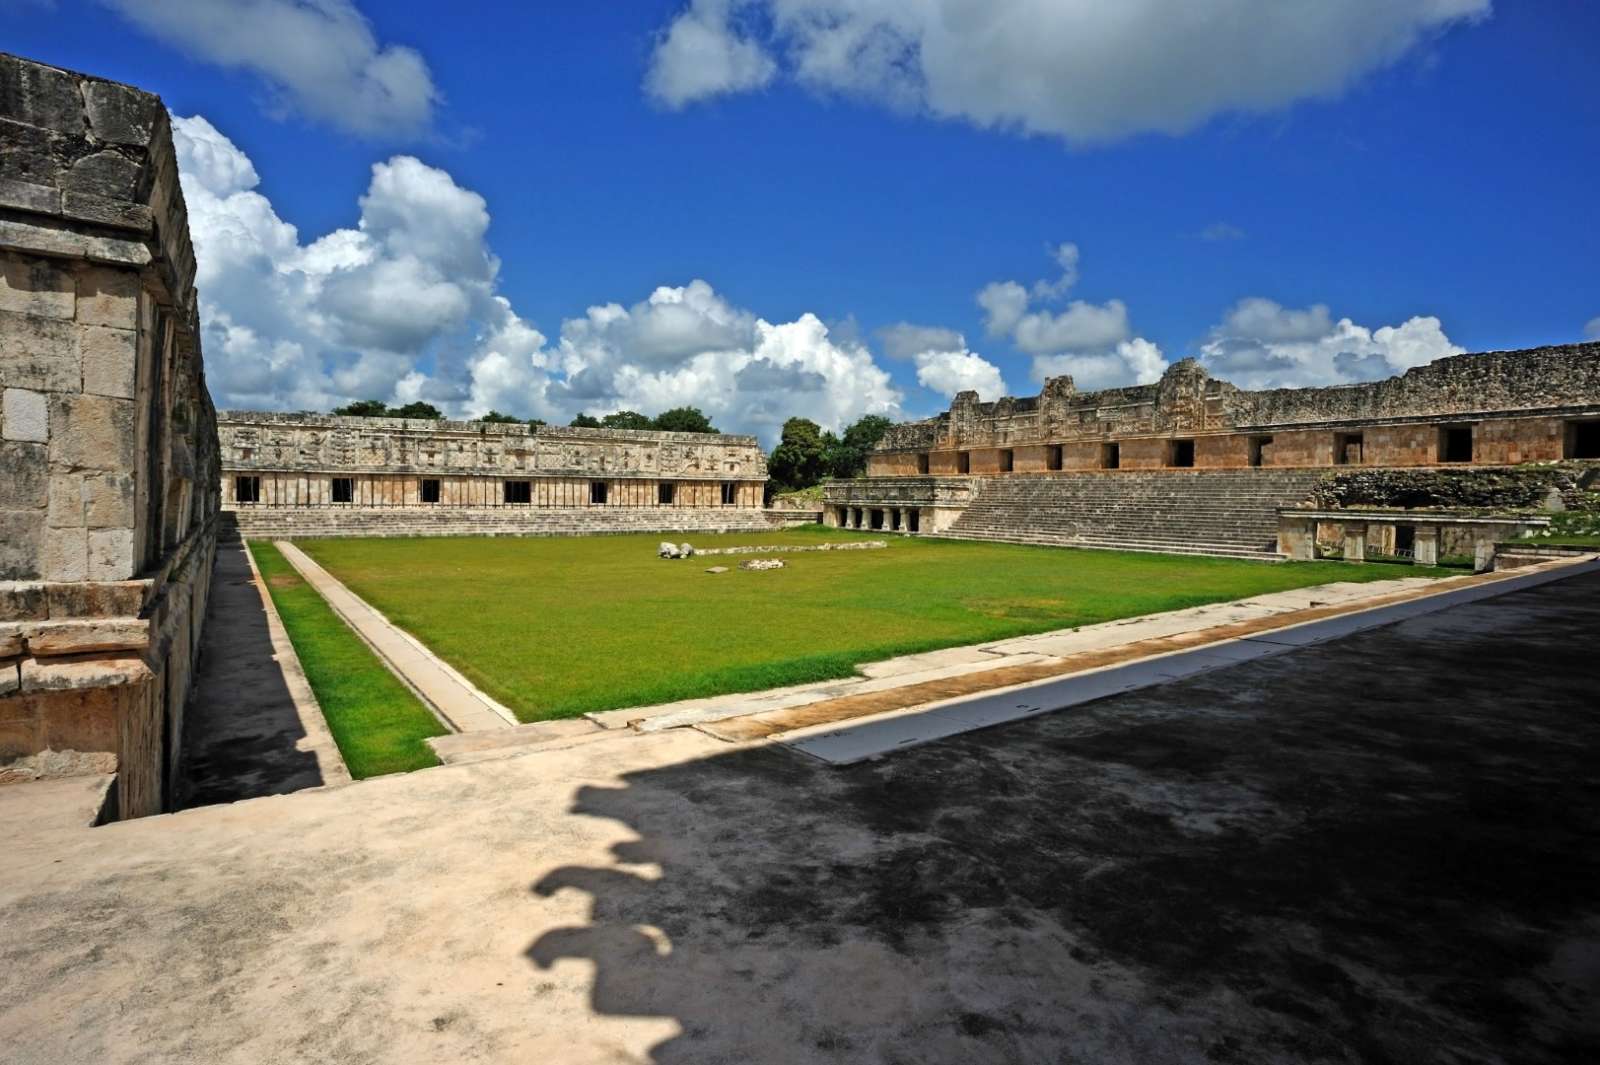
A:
(108, 501)
(19, 735)
(36, 286)
(107, 173)
(24, 601)
(107, 296)
(111, 555)
(110, 359)
(25, 416)
(66, 502)
(43, 95)
(83, 720)
(28, 196)
(102, 210)
(81, 637)
(102, 599)
(92, 432)
(24, 476)
(73, 674)
(64, 555)
(11, 637)
(39, 353)
(119, 114)
(53, 240)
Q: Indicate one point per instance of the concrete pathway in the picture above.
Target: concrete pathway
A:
(455, 699)
(253, 726)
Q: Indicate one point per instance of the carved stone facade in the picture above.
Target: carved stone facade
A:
(1498, 408)
(324, 464)
(108, 447)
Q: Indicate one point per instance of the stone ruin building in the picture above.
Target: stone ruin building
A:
(108, 446)
(1193, 464)
(310, 475)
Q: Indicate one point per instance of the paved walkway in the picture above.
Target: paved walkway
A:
(253, 727)
(459, 703)
(1380, 848)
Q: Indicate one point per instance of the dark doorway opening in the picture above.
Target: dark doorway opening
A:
(1110, 456)
(1455, 443)
(1349, 449)
(913, 520)
(922, 463)
(963, 462)
(1258, 449)
(1583, 440)
(430, 490)
(1008, 460)
(1052, 457)
(344, 489)
(598, 491)
(1180, 453)
(518, 492)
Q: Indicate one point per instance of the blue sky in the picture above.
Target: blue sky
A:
(1297, 193)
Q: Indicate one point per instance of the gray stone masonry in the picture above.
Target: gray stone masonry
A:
(108, 447)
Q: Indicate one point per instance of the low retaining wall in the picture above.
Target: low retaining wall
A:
(300, 523)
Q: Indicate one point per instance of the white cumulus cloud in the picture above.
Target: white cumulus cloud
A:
(1083, 70)
(1094, 342)
(319, 56)
(1591, 329)
(406, 306)
(702, 54)
(1262, 344)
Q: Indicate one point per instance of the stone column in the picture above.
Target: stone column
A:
(1426, 545)
(1355, 541)
(1297, 538)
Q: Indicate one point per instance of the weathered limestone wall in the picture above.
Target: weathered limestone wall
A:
(108, 450)
(1519, 406)
(292, 461)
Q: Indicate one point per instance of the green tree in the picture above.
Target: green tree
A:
(497, 418)
(417, 409)
(626, 419)
(364, 408)
(849, 458)
(534, 423)
(684, 420)
(798, 460)
(585, 421)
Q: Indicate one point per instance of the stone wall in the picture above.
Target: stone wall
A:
(1519, 406)
(108, 448)
(293, 460)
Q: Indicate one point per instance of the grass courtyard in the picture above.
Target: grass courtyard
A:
(557, 627)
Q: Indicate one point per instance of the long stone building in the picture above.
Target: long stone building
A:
(294, 474)
(1193, 462)
(108, 447)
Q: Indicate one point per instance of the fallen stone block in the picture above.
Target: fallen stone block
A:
(716, 569)
(761, 563)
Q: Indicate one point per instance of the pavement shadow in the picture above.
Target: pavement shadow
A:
(242, 730)
(1373, 850)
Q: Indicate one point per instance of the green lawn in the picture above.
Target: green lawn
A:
(377, 722)
(556, 627)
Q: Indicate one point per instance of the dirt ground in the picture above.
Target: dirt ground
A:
(1383, 849)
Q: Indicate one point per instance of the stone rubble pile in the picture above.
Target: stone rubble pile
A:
(667, 549)
(761, 563)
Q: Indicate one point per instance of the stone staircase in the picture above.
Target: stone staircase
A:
(1224, 513)
(290, 523)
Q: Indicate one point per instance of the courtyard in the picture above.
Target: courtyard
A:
(1371, 850)
(562, 626)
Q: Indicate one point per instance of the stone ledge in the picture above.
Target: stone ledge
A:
(86, 671)
(52, 638)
